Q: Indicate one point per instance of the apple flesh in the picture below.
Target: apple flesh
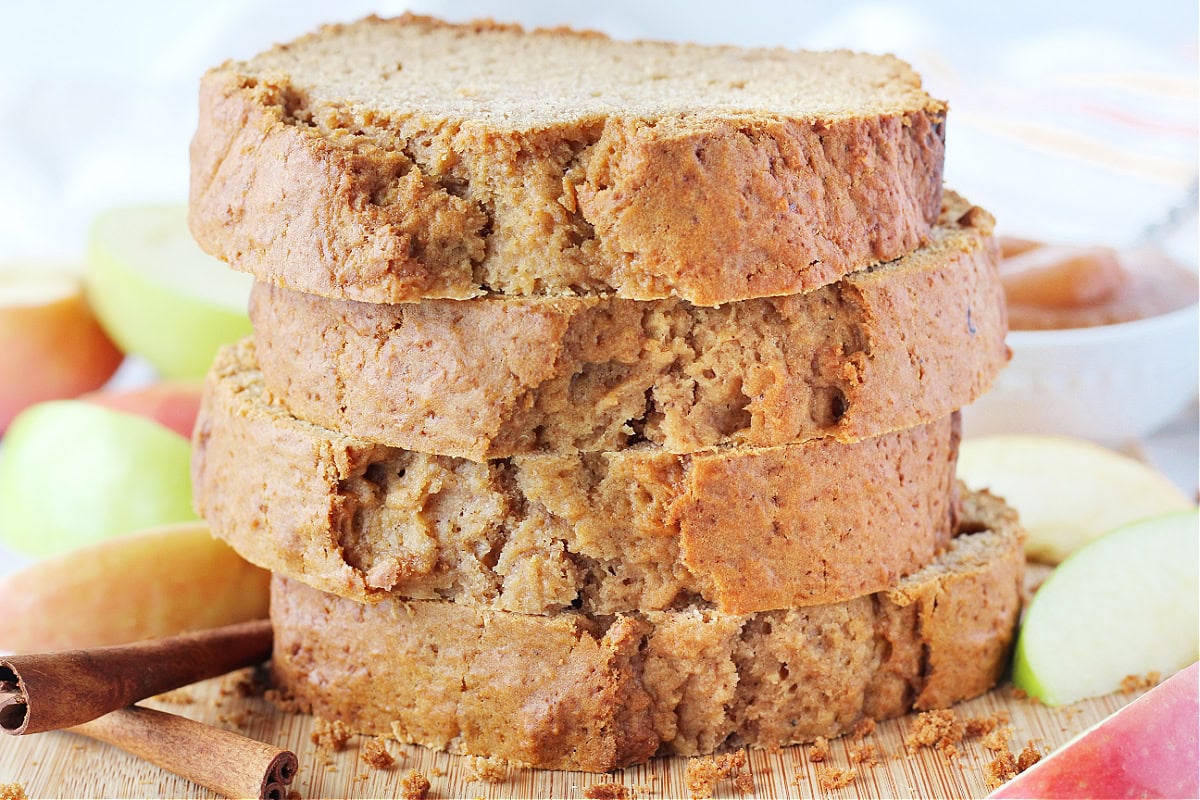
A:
(52, 344)
(1146, 749)
(143, 585)
(159, 295)
(1067, 491)
(1126, 604)
(73, 473)
(172, 403)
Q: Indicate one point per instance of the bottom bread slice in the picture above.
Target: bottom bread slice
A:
(573, 691)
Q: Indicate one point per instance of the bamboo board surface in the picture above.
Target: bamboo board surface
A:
(60, 765)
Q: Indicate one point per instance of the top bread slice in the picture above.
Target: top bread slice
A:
(391, 160)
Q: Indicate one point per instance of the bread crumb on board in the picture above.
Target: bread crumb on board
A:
(864, 754)
(981, 726)
(939, 729)
(606, 791)
(1140, 683)
(703, 774)
(415, 786)
(13, 791)
(375, 754)
(329, 735)
(489, 769)
(1004, 767)
(283, 702)
(251, 682)
(818, 750)
(832, 778)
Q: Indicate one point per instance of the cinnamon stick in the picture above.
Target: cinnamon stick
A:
(217, 759)
(52, 691)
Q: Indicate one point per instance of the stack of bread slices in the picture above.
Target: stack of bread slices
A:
(602, 399)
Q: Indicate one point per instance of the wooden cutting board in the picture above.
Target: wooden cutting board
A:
(61, 765)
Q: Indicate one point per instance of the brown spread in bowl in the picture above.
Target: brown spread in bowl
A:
(1056, 286)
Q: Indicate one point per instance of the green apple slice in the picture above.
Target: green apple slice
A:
(158, 294)
(73, 473)
(1126, 604)
(1067, 491)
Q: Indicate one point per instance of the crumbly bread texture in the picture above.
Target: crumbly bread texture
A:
(745, 529)
(884, 349)
(391, 160)
(574, 691)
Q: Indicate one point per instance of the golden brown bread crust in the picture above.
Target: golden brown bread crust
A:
(573, 691)
(385, 162)
(745, 529)
(881, 350)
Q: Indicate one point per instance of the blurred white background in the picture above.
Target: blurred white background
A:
(1072, 121)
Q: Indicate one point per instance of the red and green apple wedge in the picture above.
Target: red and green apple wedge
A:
(1127, 604)
(158, 582)
(52, 345)
(158, 294)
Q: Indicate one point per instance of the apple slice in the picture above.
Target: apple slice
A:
(72, 473)
(1146, 749)
(175, 404)
(1126, 604)
(1067, 491)
(158, 582)
(158, 294)
(52, 344)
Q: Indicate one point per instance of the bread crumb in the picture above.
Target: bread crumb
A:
(819, 749)
(703, 774)
(1029, 756)
(13, 791)
(863, 729)
(176, 697)
(980, 726)
(294, 794)
(1004, 767)
(329, 735)
(863, 754)
(940, 729)
(491, 769)
(375, 754)
(415, 786)
(239, 719)
(606, 791)
(999, 770)
(249, 682)
(996, 740)
(1020, 694)
(285, 703)
(1140, 683)
(832, 778)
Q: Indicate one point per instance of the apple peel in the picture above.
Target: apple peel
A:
(1149, 748)
(159, 582)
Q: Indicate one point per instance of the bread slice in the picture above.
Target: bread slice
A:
(881, 350)
(391, 160)
(742, 529)
(575, 691)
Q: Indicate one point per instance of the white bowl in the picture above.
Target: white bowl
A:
(1109, 383)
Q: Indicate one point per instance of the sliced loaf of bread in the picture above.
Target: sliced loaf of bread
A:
(744, 529)
(392, 160)
(575, 691)
(883, 349)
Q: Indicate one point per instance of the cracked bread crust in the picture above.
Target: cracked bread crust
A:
(390, 160)
(890, 348)
(743, 529)
(575, 691)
